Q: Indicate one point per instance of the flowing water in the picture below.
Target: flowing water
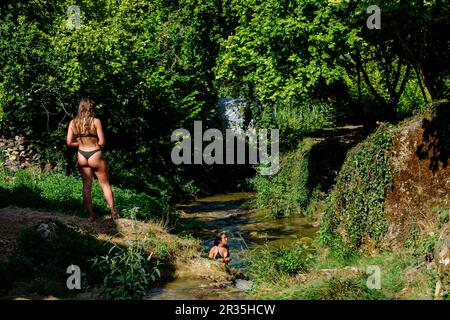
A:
(246, 228)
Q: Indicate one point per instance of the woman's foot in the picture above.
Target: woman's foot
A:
(113, 214)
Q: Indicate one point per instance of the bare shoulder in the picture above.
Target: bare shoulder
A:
(213, 249)
(97, 123)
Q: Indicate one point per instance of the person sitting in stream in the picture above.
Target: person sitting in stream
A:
(220, 248)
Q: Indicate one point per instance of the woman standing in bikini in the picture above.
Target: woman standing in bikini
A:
(88, 132)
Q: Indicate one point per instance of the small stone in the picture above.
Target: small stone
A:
(443, 252)
(446, 261)
(301, 277)
(438, 291)
(431, 266)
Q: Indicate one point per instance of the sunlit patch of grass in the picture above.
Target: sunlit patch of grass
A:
(402, 276)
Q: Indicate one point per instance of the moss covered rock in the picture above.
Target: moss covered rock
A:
(390, 183)
(354, 212)
(442, 260)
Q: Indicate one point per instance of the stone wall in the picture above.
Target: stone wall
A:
(16, 153)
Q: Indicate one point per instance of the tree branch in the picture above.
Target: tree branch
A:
(369, 84)
(402, 86)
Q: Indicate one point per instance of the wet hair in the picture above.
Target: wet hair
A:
(85, 116)
(219, 238)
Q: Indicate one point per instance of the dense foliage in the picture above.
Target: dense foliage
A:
(289, 191)
(355, 210)
(153, 66)
(45, 249)
(146, 64)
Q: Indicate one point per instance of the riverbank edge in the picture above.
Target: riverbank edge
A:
(177, 255)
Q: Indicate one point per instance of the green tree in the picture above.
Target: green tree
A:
(146, 63)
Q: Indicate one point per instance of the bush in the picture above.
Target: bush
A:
(294, 122)
(411, 100)
(340, 288)
(422, 244)
(291, 261)
(127, 271)
(139, 107)
(290, 190)
(45, 249)
(268, 264)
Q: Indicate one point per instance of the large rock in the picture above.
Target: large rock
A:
(442, 260)
(419, 163)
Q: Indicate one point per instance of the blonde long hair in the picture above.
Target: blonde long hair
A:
(85, 116)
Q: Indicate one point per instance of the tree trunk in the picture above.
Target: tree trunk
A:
(249, 105)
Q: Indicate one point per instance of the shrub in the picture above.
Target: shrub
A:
(289, 191)
(294, 122)
(127, 271)
(45, 249)
(268, 264)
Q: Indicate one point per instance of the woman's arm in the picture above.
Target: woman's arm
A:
(212, 253)
(227, 258)
(69, 139)
(100, 133)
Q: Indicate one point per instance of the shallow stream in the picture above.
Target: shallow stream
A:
(246, 229)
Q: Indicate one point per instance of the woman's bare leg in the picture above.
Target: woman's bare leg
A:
(101, 171)
(87, 190)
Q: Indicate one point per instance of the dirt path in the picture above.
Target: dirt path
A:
(12, 219)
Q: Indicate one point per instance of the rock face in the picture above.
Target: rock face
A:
(442, 260)
(419, 163)
(420, 166)
(15, 153)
